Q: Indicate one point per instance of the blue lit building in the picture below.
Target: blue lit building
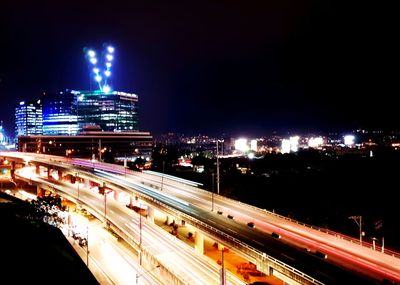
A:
(28, 118)
(60, 114)
(113, 111)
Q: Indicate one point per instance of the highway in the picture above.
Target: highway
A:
(316, 267)
(341, 251)
(172, 253)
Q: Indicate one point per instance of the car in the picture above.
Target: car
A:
(230, 217)
(275, 235)
(251, 225)
(219, 212)
(321, 254)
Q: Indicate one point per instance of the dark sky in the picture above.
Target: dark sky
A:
(236, 67)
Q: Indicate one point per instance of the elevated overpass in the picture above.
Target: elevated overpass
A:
(254, 243)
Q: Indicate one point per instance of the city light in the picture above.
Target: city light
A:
(241, 145)
(294, 143)
(285, 148)
(110, 49)
(315, 142)
(107, 73)
(349, 140)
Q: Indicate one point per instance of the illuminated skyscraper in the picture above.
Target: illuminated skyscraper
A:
(60, 114)
(28, 118)
(113, 111)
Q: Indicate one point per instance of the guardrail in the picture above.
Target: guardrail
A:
(234, 242)
(324, 230)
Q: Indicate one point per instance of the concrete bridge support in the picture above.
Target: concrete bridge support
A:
(199, 242)
(48, 172)
(116, 195)
(37, 169)
(60, 174)
(150, 214)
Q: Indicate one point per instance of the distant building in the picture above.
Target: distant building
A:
(113, 111)
(91, 144)
(60, 113)
(28, 118)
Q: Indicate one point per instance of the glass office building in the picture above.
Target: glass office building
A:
(28, 118)
(113, 111)
(60, 114)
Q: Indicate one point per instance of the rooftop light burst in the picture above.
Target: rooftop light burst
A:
(101, 75)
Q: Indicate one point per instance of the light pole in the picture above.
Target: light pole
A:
(223, 272)
(217, 170)
(212, 191)
(138, 275)
(358, 220)
(77, 179)
(162, 176)
(87, 245)
(140, 237)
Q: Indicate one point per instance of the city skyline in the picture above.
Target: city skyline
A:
(212, 67)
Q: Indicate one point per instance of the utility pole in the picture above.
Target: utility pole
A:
(77, 180)
(223, 272)
(212, 191)
(87, 245)
(358, 220)
(100, 150)
(140, 237)
(217, 170)
(162, 176)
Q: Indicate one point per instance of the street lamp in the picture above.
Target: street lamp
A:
(162, 176)
(140, 236)
(218, 165)
(358, 220)
(77, 179)
(217, 170)
(87, 245)
(212, 191)
(138, 275)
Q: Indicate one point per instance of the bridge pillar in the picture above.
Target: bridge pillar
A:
(60, 173)
(150, 214)
(39, 192)
(48, 172)
(37, 169)
(116, 195)
(199, 242)
(87, 183)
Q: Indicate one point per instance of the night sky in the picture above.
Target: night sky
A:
(213, 67)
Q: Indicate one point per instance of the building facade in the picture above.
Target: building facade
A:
(113, 111)
(92, 144)
(60, 113)
(28, 118)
